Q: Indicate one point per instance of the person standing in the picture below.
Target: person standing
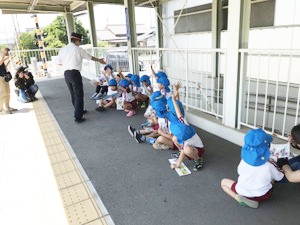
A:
(70, 57)
(4, 85)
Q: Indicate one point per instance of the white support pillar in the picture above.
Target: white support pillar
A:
(238, 28)
(70, 24)
(159, 33)
(131, 35)
(90, 8)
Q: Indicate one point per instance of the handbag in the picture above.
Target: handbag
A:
(7, 77)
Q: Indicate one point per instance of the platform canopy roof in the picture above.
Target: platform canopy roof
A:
(57, 6)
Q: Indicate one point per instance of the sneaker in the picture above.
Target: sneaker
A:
(12, 109)
(93, 96)
(100, 109)
(131, 130)
(158, 146)
(130, 113)
(175, 155)
(80, 120)
(198, 164)
(246, 202)
(138, 137)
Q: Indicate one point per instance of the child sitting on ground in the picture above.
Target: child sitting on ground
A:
(150, 134)
(291, 167)
(163, 85)
(129, 102)
(186, 139)
(256, 173)
(102, 84)
(146, 91)
(110, 99)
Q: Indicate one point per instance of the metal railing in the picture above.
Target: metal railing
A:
(269, 90)
(201, 72)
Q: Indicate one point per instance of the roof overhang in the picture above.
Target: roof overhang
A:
(58, 6)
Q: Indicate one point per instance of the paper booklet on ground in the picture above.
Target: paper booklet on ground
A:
(280, 151)
(183, 170)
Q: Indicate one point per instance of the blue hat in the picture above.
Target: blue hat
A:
(182, 131)
(107, 66)
(129, 75)
(112, 82)
(160, 108)
(157, 96)
(165, 82)
(256, 150)
(161, 74)
(146, 79)
(124, 83)
(136, 80)
(172, 117)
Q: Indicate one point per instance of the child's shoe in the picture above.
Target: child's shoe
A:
(138, 137)
(198, 164)
(131, 130)
(130, 113)
(126, 110)
(143, 105)
(100, 109)
(158, 146)
(175, 155)
(246, 202)
(93, 96)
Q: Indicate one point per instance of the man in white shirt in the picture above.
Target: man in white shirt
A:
(70, 57)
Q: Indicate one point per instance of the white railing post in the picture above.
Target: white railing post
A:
(241, 91)
(187, 81)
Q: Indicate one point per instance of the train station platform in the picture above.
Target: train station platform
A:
(55, 171)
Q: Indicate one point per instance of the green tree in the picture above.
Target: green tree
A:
(57, 33)
(103, 44)
(27, 40)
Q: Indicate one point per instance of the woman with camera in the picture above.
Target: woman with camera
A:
(5, 77)
(26, 87)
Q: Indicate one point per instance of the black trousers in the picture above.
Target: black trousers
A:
(103, 89)
(74, 82)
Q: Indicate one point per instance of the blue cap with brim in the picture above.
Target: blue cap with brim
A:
(108, 66)
(146, 79)
(136, 80)
(165, 82)
(129, 75)
(112, 82)
(161, 74)
(158, 96)
(256, 150)
(124, 83)
(182, 131)
(172, 116)
(160, 108)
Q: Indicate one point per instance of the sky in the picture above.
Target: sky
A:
(112, 14)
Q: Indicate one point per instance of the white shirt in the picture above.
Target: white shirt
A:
(166, 94)
(163, 124)
(71, 57)
(146, 90)
(127, 97)
(194, 141)
(137, 89)
(255, 181)
(111, 92)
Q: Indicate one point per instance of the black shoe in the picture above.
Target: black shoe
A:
(137, 137)
(131, 130)
(175, 155)
(84, 111)
(80, 120)
(198, 164)
(100, 109)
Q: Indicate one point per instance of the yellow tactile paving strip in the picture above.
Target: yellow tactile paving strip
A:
(81, 202)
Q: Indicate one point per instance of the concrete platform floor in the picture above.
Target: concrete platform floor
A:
(136, 183)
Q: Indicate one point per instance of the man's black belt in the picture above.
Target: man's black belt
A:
(73, 70)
